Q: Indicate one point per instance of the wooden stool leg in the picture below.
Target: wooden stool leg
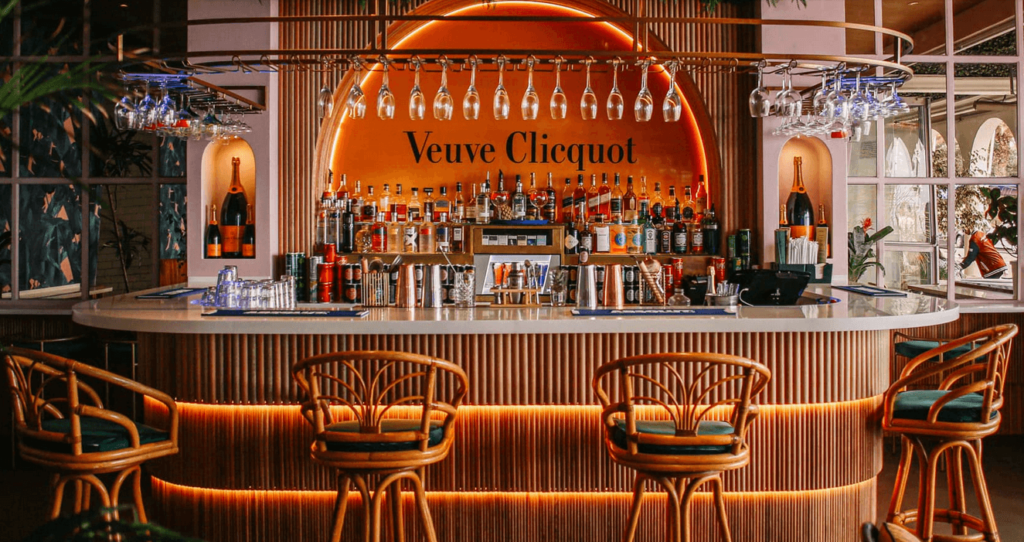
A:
(421, 502)
(902, 474)
(981, 491)
(395, 493)
(684, 502)
(340, 506)
(77, 508)
(955, 482)
(378, 496)
(115, 489)
(723, 518)
(365, 493)
(634, 512)
(58, 483)
(926, 494)
(140, 507)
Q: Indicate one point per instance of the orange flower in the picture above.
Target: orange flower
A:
(866, 224)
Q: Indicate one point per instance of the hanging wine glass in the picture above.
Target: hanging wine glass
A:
(471, 101)
(643, 108)
(385, 99)
(124, 109)
(672, 107)
(417, 101)
(616, 103)
(559, 103)
(443, 102)
(760, 101)
(531, 100)
(355, 105)
(325, 98)
(588, 103)
(502, 103)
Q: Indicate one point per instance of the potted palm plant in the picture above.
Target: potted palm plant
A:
(862, 249)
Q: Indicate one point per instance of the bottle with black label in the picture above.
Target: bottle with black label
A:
(629, 202)
(579, 200)
(567, 202)
(657, 205)
(672, 206)
(711, 234)
(665, 238)
(550, 209)
(643, 201)
(615, 201)
(688, 205)
(347, 243)
(680, 239)
(370, 209)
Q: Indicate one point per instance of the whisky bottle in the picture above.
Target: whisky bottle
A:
(442, 205)
(643, 202)
(537, 199)
(604, 196)
(799, 211)
(379, 235)
(701, 198)
(671, 206)
(414, 209)
(550, 208)
(429, 205)
(355, 200)
(593, 197)
(567, 202)
(689, 206)
(214, 247)
(579, 200)
(443, 234)
(469, 215)
(370, 208)
(680, 238)
(615, 202)
(657, 205)
(629, 202)
(459, 212)
(232, 214)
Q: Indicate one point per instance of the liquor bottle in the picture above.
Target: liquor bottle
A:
(688, 205)
(629, 201)
(347, 241)
(396, 234)
(232, 214)
(671, 206)
(469, 216)
(617, 237)
(500, 197)
(634, 238)
(384, 204)
(459, 212)
(458, 236)
(356, 201)
(696, 233)
(615, 202)
(567, 202)
(586, 241)
(604, 198)
(370, 208)
(571, 242)
(701, 198)
(579, 200)
(334, 225)
(322, 232)
(823, 235)
(483, 202)
(442, 205)
(414, 209)
(328, 194)
(593, 197)
(443, 234)
(799, 211)
(680, 239)
(535, 199)
(426, 241)
(550, 208)
(602, 239)
(429, 205)
(665, 237)
(399, 205)
(650, 238)
(379, 235)
(410, 237)
(519, 200)
(643, 202)
(214, 247)
(711, 233)
(657, 205)
(342, 193)
(249, 235)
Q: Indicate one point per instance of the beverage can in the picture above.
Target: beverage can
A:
(295, 266)
(719, 264)
(325, 292)
(730, 247)
(309, 292)
(743, 244)
(668, 278)
(330, 253)
(325, 273)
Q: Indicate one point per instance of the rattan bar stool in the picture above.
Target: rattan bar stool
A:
(949, 420)
(62, 425)
(393, 415)
(679, 444)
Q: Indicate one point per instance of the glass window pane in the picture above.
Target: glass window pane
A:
(986, 119)
(50, 232)
(915, 140)
(985, 28)
(909, 211)
(924, 21)
(862, 204)
(125, 262)
(173, 202)
(863, 155)
(904, 267)
(986, 222)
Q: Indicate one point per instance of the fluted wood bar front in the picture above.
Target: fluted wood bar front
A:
(528, 462)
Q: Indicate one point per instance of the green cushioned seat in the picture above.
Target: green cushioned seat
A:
(81, 348)
(98, 435)
(914, 405)
(912, 349)
(386, 426)
(668, 428)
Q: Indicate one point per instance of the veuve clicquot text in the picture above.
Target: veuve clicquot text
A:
(799, 211)
(232, 214)
(214, 248)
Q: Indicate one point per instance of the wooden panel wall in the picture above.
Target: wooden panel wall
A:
(724, 94)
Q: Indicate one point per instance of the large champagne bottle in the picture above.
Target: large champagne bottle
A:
(232, 214)
(799, 211)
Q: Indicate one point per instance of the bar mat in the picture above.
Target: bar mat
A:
(871, 291)
(298, 313)
(170, 294)
(696, 311)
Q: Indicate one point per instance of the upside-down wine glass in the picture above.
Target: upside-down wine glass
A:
(760, 101)
(559, 103)
(643, 107)
(672, 107)
(588, 103)
(530, 104)
(471, 101)
(385, 99)
(325, 98)
(443, 102)
(502, 103)
(355, 105)
(417, 101)
(616, 103)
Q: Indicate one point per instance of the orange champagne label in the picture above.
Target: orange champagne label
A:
(248, 251)
(231, 238)
(213, 251)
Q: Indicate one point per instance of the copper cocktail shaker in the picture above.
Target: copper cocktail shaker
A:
(405, 297)
(614, 295)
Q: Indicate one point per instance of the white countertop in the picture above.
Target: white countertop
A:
(853, 312)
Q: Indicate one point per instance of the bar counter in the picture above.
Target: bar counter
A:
(528, 462)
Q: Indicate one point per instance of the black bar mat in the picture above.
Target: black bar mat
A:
(170, 294)
(871, 291)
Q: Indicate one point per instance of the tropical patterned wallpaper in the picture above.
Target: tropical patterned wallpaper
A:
(173, 199)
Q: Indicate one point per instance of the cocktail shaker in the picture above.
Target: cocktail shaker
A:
(433, 296)
(614, 296)
(586, 287)
(516, 281)
(406, 295)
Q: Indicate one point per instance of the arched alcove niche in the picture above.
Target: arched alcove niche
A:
(994, 151)
(393, 151)
(217, 169)
(817, 172)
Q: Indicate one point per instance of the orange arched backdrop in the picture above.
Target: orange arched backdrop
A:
(396, 151)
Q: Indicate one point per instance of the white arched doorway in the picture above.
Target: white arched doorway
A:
(994, 151)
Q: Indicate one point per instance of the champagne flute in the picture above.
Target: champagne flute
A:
(417, 101)
(643, 108)
(559, 103)
(356, 103)
(672, 107)
(471, 102)
(502, 103)
(443, 102)
(616, 103)
(588, 103)
(531, 100)
(385, 99)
